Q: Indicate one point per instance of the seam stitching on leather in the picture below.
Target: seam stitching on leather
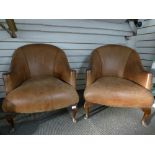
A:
(56, 56)
(127, 61)
(26, 61)
(101, 62)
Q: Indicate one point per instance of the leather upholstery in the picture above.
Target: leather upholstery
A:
(40, 79)
(116, 77)
(118, 92)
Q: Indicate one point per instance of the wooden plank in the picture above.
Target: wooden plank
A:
(78, 59)
(147, 63)
(60, 29)
(76, 23)
(14, 44)
(70, 46)
(146, 37)
(6, 53)
(9, 53)
(145, 44)
(148, 23)
(4, 68)
(5, 60)
(69, 38)
(147, 56)
(43, 37)
(78, 52)
(146, 30)
(146, 50)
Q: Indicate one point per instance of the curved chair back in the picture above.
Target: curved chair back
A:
(39, 59)
(114, 60)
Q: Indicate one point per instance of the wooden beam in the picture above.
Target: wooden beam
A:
(12, 27)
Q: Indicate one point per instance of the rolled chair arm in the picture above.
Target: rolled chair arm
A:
(7, 82)
(73, 78)
(11, 81)
(90, 78)
(69, 76)
(144, 79)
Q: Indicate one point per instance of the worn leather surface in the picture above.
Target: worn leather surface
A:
(40, 79)
(112, 65)
(118, 92)
(40, 94)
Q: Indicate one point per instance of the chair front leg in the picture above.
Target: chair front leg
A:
(10, 119)
(73, 113)
(146, 116)
(86, 109)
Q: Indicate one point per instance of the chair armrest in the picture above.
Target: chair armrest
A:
(11, 81)
(73, 78)
(7, 81)
(69, 76)
(144, 79)
(90, 78)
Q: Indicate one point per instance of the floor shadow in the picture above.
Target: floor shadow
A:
(93, 111)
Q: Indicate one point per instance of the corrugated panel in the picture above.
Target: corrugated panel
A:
(145, 42)
(76, 37)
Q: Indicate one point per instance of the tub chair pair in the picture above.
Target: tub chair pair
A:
(40, 80)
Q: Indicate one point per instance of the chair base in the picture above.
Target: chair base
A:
(73, 113)
(10, 119)
(86, 109)
(86, 116)
(146, 117)
(145, 120)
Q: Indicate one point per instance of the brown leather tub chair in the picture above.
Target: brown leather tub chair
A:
(40, 80)
(116, 78)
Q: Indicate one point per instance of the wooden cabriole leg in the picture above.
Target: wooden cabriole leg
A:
(10, 120)
(146, 116)
(73, 112)
(86, 109)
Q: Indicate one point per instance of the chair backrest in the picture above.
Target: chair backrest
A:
(114, 60)
(39, 59)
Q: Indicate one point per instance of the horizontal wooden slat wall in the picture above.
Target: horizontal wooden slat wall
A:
(76, 37)
(145, 42)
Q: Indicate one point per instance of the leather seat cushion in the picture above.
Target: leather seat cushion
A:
(40, 94)
(118, 92)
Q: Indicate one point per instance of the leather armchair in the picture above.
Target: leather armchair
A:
(116, 78)
(40, 80)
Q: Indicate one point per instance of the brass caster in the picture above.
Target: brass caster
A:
(144, 124)
(74, 120)
(86, 117)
